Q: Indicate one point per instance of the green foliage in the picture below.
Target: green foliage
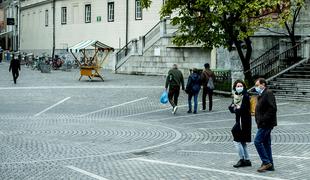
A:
(214, 23)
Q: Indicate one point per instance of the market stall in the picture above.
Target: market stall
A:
(91, 65)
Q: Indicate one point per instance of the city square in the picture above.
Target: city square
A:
(56, 127)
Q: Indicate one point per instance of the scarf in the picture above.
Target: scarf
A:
(238, 99)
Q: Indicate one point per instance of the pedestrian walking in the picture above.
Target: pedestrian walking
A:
(174, 81)
(193, 87)
(207, 78)
(15, 67)
(266, 120)
(241, 131)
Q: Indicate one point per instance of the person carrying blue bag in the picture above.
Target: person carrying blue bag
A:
(174, 81)
(192, 89)
(164, 97)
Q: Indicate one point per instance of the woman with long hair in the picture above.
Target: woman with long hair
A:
(241, 130)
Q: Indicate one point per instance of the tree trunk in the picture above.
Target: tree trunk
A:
(245, 60)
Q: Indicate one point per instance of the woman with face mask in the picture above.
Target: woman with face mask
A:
(241, 130)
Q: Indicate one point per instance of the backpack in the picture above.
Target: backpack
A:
(210, 84)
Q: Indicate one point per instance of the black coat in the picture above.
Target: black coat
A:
(14, 65)
(241, 131)
(266, 110)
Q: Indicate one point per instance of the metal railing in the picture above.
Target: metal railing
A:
(222, 80)
(122, 53)
(271, 66)
(151, 33)
(271, 53)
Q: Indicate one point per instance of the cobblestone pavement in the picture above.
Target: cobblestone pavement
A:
(53, 126)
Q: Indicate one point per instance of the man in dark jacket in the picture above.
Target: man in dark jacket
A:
(15, 67)
(266, 119)
(206, 75)
(174, 81)
(192, 89)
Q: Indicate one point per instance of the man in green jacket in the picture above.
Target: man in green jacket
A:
(174, 81)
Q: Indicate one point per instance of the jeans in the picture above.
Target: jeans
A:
(206, 91)
(242, 150)
(173, 95)
(195, 102)
(263, 145)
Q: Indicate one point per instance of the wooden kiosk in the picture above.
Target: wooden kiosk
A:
(91, 66)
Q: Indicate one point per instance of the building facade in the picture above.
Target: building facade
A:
(9, 24)
(113, 22)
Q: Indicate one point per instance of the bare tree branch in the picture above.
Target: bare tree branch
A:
(276, 32)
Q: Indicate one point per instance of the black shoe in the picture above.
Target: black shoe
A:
(195, 112)
(240, 163)
(247, 163)
(189, 111)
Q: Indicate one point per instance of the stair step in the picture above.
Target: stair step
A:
(291, 81)
(299, 72)
(289, 84)
(294, 91)
(297, 75)
(293, 98)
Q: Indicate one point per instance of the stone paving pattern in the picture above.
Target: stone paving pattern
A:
(117, 129)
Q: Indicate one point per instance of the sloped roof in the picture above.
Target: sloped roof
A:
(85, 44)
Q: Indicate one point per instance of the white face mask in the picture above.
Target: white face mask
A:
(239, 89)
(258, 90)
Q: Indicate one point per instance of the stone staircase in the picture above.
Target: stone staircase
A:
(293, 84)
(154, 53)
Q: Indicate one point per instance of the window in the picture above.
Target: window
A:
(46, 18)
(110, 11)
(138, 10)
(87, 13)
(64, 15)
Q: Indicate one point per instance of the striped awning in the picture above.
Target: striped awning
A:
(88, 43)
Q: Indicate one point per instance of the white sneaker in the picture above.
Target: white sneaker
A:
(175, 109)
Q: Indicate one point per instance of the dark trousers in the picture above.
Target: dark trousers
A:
(206, 91)
(263, 145)
(15, 75)
(173, 95)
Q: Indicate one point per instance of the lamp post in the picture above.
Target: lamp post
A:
(16, 32)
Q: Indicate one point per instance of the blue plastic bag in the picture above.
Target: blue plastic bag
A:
(164, 97)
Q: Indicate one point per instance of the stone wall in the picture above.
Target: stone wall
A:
(159, 58)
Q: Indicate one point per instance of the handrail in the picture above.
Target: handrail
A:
(123, 52)
(152, 28)
(272, 66)
(272, 51)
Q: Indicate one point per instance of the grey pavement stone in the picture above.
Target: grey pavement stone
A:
(117, 129)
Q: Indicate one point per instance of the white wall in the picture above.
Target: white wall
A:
(34, 34)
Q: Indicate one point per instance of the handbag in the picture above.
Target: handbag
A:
(210, 84)
(164, 97)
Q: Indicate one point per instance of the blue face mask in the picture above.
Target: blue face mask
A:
(258, 90)
(239, 89)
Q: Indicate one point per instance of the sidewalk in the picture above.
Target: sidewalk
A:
(53, 126)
